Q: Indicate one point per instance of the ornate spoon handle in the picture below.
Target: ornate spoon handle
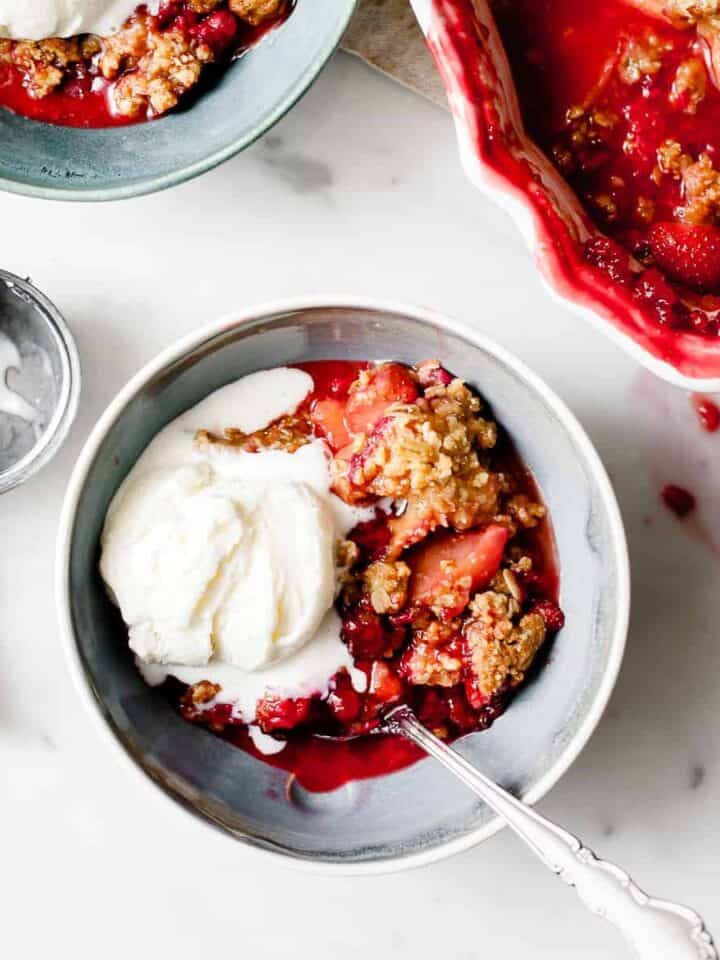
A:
(654, 928)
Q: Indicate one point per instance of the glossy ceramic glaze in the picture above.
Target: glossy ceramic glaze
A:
(507, 165)
(417, 814)
(251, 95)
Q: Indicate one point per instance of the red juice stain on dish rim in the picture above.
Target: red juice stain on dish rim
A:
(708, 412)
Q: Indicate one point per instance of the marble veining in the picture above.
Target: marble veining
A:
(301, 173)
(697, 776)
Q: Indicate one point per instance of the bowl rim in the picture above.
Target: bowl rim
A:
(164, 181)
(176, 352)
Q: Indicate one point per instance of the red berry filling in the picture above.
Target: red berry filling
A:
(448, 568)
(368, 635)
(373, 393)
(551, 613)
(275, 713)
(625, 100)
(443, 606)
(688, 253)
(141, 71)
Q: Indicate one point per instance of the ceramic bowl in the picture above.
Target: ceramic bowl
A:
(418, 814)
(505, 164)
(252, 94)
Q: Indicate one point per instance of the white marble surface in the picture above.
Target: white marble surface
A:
(358, 190)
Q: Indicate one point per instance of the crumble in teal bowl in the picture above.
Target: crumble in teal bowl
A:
(64, 163)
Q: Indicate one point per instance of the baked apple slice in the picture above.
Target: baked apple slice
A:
(449, 567)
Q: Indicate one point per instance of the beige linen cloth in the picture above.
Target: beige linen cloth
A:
(386, 35)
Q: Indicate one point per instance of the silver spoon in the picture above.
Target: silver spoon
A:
(655, 929)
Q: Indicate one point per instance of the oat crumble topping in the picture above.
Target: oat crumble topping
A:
(641, 57)
(699, 179)
(689, 85)
(426, 665)
(428, 453)
(692, 11)
(386, 582)
(255, 11)
(500, 650)
(701, 190)
(431, 454)
(203, 692)
(671, 159)
(151, 66)
(45, 62)
(441, 607)
(289, 432)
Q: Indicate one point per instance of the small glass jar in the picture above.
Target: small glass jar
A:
(39, 380)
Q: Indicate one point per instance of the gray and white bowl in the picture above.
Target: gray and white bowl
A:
(419, 814)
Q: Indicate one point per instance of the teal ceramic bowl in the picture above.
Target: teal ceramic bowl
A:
(418, 814)
(62, 163)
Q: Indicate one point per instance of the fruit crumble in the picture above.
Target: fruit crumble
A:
(448, 587)
(624, 97)
(142, 70)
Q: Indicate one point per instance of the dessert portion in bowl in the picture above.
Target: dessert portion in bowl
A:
(98, 63)
(311, 545)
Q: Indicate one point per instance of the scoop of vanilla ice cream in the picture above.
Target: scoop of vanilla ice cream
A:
(280, 582)
(204, 566)
(40, 19)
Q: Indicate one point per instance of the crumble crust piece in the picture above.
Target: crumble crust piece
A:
(641, 57)
(289, 433)
(427, 454)
(386, 583)
(499, 651)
